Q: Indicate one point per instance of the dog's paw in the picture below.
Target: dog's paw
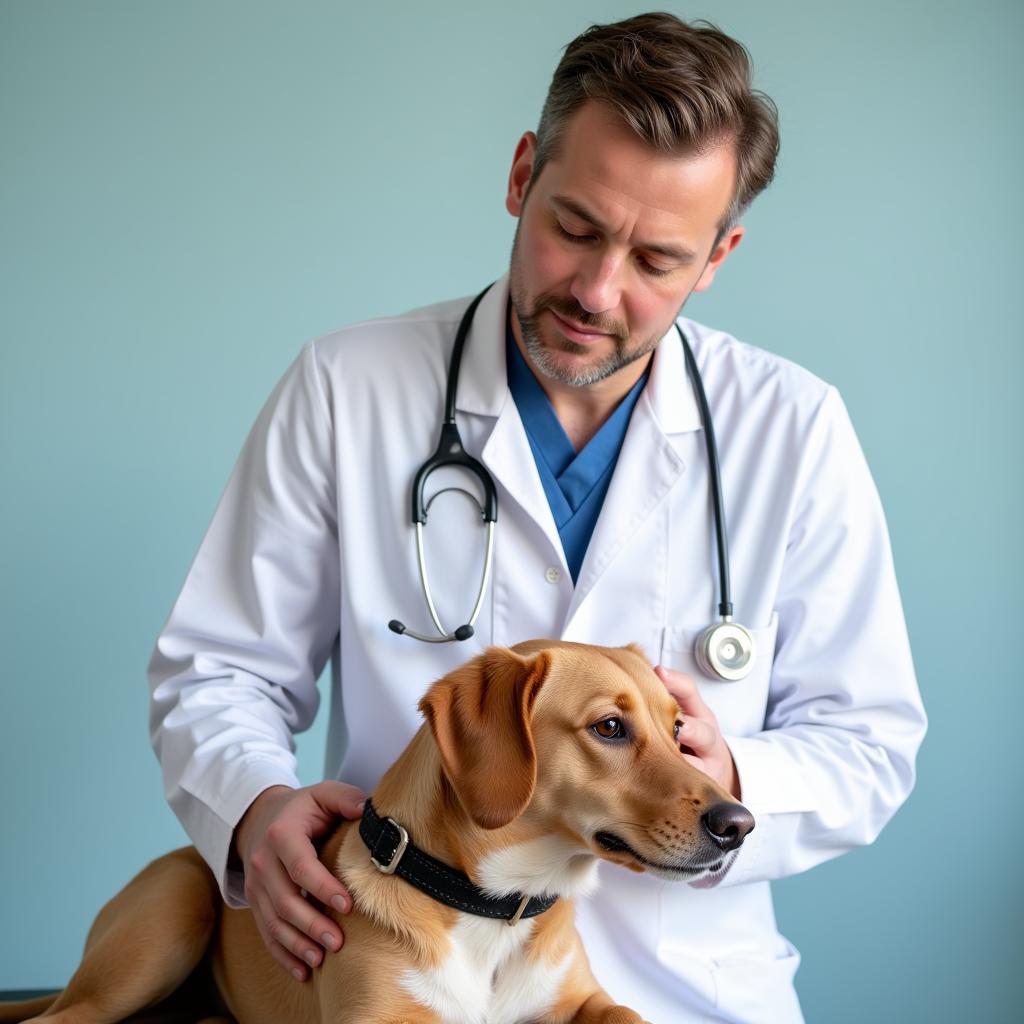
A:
(621, 1015)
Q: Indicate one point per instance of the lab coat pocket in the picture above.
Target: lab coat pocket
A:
(755, 988)
(739, 706)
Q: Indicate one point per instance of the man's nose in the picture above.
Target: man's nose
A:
(596, 287)
(728, 825)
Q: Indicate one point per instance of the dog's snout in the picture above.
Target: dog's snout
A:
(728, 825)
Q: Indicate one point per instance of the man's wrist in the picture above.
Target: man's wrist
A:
(237, 837)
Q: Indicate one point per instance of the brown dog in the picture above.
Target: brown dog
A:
(533, 763)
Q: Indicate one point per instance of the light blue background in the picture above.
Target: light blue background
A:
(189, 191)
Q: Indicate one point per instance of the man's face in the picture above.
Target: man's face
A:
(612, 241)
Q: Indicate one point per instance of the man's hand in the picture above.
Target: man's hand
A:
(274, 843)
(700, 738)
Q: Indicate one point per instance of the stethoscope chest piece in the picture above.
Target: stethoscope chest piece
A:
(725, 650)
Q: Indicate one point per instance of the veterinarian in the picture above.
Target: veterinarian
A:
(575, 395)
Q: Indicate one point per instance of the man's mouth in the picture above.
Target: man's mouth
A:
(575, 332)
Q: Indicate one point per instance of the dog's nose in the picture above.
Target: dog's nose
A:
(728, 825)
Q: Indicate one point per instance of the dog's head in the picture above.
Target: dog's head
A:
(580, 743)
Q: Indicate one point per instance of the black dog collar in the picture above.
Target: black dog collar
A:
(392, 853)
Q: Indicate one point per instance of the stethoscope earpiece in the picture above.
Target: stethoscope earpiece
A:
(725, 650)
(462, 633)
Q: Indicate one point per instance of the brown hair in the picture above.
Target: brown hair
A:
(682, 87)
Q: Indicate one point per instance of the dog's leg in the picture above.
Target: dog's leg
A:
(582, 1000)
(25, 1009)
(143, 944)
(600, 1009)
(426, 1018)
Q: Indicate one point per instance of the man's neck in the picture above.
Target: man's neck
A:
(582, 411)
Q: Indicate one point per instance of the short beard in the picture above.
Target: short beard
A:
(540, 354)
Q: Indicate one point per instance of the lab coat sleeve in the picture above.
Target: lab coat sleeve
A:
(844, 718)
(233, 675)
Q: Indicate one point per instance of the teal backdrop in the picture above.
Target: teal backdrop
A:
(189, 191)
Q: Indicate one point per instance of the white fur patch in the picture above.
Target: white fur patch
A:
(549, 865)
(526, 991)
(485, 979)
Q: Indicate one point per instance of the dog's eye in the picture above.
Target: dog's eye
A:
(610, 729)
(675, 734)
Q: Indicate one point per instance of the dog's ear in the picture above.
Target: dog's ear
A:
(480, 717)
(637, 649)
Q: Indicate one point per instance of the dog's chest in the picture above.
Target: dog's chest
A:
(486, 979)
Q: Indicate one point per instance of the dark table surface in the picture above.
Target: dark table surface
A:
(165, 1013)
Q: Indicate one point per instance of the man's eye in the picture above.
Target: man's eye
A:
(610, 729)
(652, 270)
(569, 236)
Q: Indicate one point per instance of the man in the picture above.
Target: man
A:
(574, 394)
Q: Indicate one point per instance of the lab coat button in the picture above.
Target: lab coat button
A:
(552, 575)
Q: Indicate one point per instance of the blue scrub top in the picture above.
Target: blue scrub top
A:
(575, 482)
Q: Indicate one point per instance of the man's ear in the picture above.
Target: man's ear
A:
(480, 718)
(521, 173)
(725, 245)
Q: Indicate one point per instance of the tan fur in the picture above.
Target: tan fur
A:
(506, 757)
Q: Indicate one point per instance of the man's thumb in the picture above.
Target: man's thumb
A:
(339, 798)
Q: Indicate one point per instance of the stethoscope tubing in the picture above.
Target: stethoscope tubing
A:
(718, 502)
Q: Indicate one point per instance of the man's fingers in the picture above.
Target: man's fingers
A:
(303, 916)
(293, 922)
(683, 689)
(276, 933)
(700, 736)
(339, 798)
(284, 866)
(299, 857)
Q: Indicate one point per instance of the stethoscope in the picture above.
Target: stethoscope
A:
(724, 650)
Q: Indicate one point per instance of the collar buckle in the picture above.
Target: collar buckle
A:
(403, 842)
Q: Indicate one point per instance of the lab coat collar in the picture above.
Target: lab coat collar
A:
(483, 381)
(648, 461)
(669, 390)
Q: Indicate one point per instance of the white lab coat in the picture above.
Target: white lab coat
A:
(310, 553)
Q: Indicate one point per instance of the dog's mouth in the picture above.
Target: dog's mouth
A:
(614, 844)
